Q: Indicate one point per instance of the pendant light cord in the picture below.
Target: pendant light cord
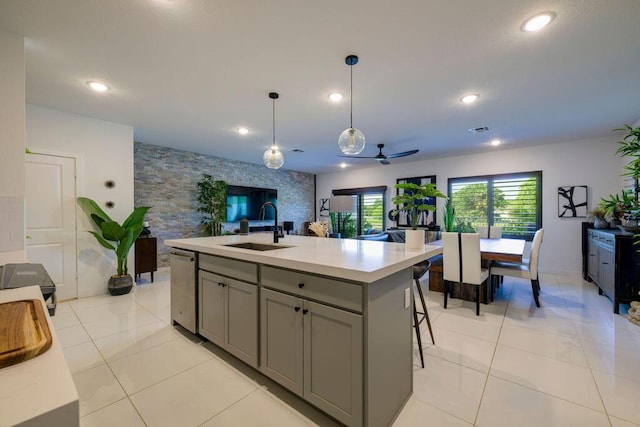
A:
(274, 123)
(351, 96)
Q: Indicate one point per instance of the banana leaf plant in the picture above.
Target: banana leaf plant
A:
(414, 200)
(123, 236)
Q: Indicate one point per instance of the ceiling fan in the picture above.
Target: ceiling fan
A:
(382, 158)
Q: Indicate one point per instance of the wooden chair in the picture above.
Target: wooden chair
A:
(418, 272)
(527, 269)
(462, 263)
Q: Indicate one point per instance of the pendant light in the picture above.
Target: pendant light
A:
(351, 141)
(273, 158)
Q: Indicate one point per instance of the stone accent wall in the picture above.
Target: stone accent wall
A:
(165, 179)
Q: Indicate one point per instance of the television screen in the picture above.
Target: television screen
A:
(245, 202)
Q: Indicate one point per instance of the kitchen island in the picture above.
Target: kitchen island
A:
(329, 319)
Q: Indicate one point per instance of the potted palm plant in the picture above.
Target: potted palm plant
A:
(123, 237)
(414, 200)
(628, 200)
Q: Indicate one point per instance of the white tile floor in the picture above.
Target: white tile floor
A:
(571, 362)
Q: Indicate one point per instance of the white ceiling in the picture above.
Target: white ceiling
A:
(187, 73)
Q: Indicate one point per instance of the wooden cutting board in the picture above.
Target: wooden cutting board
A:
(24, 331)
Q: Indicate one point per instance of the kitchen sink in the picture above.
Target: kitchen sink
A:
(256, 246)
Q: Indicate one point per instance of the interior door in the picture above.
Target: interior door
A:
(50, 219)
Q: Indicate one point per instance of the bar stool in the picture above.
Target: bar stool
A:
(418, 272)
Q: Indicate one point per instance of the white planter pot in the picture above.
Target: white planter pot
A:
(414, 239)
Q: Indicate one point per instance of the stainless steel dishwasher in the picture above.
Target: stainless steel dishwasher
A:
(183, 289)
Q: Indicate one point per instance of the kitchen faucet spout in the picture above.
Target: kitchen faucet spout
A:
(276, 234)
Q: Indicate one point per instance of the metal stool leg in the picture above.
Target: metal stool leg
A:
(416, 325)
(424, 307)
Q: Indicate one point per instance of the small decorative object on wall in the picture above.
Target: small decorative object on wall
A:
(572, 201)
(324, 207)
(403, 216)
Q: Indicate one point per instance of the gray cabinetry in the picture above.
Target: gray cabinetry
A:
(311, 348)
(612, 261)
(228, 311)
(281, 339)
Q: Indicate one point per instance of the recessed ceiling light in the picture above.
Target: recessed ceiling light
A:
(343, 165)
(243, 131)
(336, 96)
(469, 99)
(98, 87)
(496, 142)
(538, 22)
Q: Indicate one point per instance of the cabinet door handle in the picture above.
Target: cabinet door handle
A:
(605, 263)
(221, 284)
(301, 285)
(296, 309)
(305, 311)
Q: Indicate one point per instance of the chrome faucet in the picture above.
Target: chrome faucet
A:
(276, 234)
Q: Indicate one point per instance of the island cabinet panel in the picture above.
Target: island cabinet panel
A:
(333, 364)
(326, 290)
(314, 350)
(236, 269)
(281, 339)
(229, 315)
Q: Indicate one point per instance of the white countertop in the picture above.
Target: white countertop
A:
(350, 259)
(39, 391)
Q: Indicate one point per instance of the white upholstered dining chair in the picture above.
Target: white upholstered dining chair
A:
(489, 232)
(461, 263)
(527, 269)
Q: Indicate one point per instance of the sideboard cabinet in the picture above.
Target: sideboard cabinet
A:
(612, 262)
(146, 252)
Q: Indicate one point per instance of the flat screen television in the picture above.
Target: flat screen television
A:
(245, 202)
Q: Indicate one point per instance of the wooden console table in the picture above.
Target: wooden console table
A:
(146, 256)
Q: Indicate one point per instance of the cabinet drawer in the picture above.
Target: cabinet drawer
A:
(241, 270)
(330, 291)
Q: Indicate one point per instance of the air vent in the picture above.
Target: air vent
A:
(481, 129)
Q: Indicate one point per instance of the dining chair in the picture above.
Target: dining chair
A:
(527, 269)
(418, 271)
(461, 263)
(489, 231)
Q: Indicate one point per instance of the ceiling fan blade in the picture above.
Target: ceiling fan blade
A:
(385, 162)
(359, 157)
(403, 154)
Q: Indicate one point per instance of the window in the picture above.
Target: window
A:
(371, 209)
(512, 201)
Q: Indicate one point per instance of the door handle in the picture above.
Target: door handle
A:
(221, 284)
(305, 311)
(296, 309)
(301, 285)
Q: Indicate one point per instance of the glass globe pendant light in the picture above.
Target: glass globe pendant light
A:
(351, 141)
(273, 158)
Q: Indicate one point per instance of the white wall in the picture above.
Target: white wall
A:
(587, 162)
(105, 152)
(12, 119)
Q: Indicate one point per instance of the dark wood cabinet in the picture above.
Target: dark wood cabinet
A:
(612, 262)
(146, 256)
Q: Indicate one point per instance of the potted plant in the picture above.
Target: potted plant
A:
(599, 217)
(212, 202)
(413, 200)
(123, 237)
(629, 147)
(449, 216)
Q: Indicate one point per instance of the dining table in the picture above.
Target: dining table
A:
(505, 250)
